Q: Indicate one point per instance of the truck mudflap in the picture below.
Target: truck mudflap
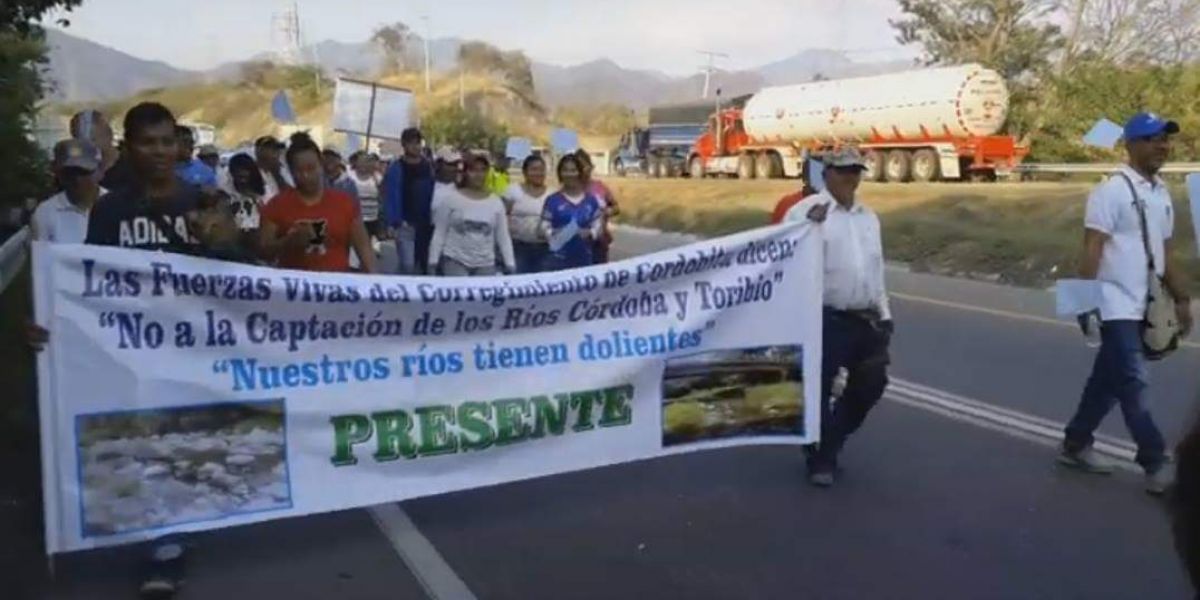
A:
(949, 160)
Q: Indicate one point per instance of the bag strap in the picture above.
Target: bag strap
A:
(1141, 210)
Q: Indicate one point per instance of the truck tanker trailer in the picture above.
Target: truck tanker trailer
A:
(925, 125)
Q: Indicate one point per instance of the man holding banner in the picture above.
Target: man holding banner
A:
(856, 320)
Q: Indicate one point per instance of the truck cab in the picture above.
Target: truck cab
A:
(661, 149)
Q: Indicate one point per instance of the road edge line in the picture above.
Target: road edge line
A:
(431, 570)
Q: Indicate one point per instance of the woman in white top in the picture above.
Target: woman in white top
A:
(525, 202)
(468, 227)
(365, 173)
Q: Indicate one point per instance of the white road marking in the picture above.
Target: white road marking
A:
(439, 581)
(1002, 420)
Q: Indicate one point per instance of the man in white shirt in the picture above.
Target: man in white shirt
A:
(1115, 256)
(63, 217)
(268, 153)
(857, 319)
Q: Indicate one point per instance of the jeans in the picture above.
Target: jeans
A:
(530, 256)
(1118, 376)
(860, 346)
(453, 268)
(406, 238)
(412, 247)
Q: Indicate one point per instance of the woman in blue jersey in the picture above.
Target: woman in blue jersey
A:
(571, 219)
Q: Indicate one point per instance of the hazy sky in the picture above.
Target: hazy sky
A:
(645, 34)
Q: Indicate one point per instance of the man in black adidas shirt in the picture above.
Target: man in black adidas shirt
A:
(152, 211)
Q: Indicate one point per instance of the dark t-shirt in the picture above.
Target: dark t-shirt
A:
(127, 218)
(413, 176)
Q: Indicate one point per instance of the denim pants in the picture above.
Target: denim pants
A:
(530, 256)
(1118, 376)
(859, 346)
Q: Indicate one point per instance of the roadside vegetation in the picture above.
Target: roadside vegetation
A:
(1020, 233)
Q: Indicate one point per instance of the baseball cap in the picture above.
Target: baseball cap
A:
(268, 140)
(448, 154)
(78, 154)
(845, 157)
(208, 150)
(1148, 124)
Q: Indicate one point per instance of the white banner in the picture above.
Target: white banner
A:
(371, 109)
(182, 394)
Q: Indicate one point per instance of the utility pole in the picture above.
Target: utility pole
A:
(710, 68)
(428, 33)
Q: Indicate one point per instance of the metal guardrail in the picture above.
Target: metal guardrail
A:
(12, 256)
(1101, 168)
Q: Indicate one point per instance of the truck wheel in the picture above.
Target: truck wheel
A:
(771, 166)
(652, 167)
(926, 166)
(874, 160)
(898, 166)
(696, 168)
(746, 166)
(660, 169)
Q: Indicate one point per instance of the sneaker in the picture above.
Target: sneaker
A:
(1086, 460)
(1158, 482)
(821, 479)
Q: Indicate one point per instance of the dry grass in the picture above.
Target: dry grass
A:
(1025, 233)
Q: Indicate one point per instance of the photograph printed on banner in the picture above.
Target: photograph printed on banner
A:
(725, 394)
(154, 468)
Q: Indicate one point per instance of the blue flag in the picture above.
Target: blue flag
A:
(564, 141)
(518, 149)
(281, 108)
(816, 175)
(1104, 134)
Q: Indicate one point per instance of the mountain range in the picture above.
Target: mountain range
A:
(84, 71)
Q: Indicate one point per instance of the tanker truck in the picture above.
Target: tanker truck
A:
(926, 125)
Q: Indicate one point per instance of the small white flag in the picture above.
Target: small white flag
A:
(1074, 297)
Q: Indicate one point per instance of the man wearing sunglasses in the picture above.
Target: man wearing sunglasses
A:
(856, 318)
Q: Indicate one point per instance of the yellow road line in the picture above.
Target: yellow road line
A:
(999, 313)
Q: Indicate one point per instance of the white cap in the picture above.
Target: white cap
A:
(447, 154)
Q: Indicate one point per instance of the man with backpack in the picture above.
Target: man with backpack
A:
(1143, 299)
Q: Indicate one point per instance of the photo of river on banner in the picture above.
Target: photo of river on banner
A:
(153, 468)
(726, 394)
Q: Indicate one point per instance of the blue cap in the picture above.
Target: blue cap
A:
(1147, 124)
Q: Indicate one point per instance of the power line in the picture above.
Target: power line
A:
(710, 68)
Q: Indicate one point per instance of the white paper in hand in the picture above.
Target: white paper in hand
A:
(1074, 297)
(560, 238)
(1104, 134)
(1193, 187)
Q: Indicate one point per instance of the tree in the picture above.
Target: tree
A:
(1125, 32)
(1014, 37)
(513, 65)
(453, 125)
(392, 40)
(23, 172)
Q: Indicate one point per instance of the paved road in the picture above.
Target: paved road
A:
(929, 507)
